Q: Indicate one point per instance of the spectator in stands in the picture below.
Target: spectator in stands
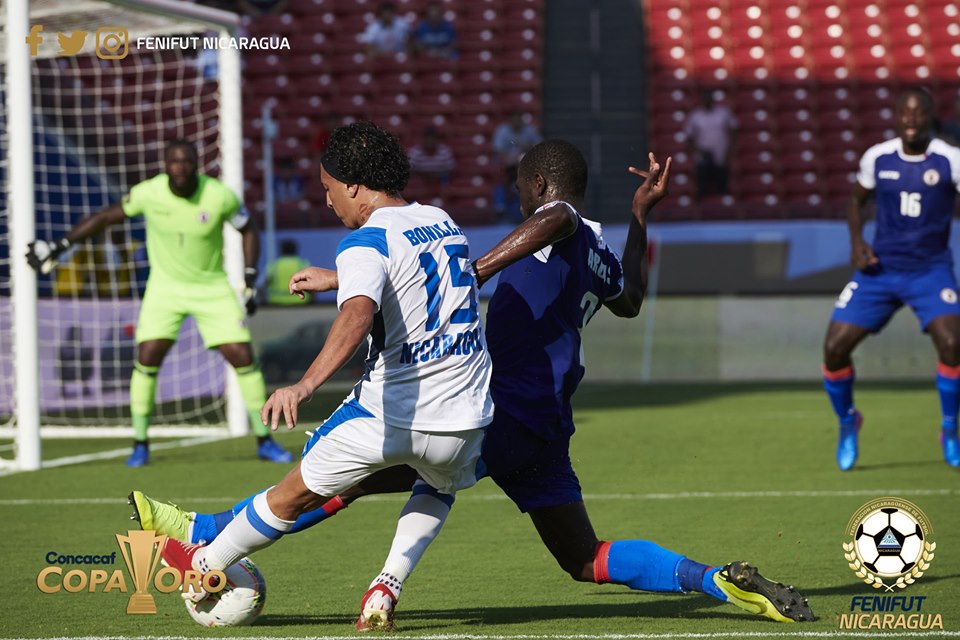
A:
(435, 35)
(432, 159)
(506, 197)
(287, 182)
(388, 33)
(322, 136)
(514, 138)
(711, 129)
(279, 273)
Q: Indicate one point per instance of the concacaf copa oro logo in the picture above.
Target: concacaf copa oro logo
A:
(141, 554)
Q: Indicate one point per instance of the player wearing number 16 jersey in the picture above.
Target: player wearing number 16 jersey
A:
(914, 179)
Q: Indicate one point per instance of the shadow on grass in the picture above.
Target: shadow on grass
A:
(692, 607)
(673, 606)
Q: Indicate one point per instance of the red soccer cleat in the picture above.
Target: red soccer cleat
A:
(180, 556)
(376, 609)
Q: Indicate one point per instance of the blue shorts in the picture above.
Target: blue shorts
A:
(533, 472)
(871, 299)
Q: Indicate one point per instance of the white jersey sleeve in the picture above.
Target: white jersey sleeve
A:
(361, 271)
(428, 368)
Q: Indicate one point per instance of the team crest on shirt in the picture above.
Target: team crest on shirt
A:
(931, 177)
(948, 295)
(203, 217)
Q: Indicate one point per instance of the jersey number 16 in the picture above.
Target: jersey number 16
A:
(910, 204)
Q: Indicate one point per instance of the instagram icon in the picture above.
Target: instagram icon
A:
(112, 43)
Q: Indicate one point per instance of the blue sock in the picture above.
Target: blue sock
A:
(694, 576)
(641, 564)
(839, 386)
(710, 587)
(207, 526)
(948, 386)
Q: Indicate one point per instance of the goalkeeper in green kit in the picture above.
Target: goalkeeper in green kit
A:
(185, 213)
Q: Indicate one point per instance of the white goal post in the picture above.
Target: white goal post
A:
(73, 122)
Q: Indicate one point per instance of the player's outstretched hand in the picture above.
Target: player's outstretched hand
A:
(285, 402)
(42, 255)
(653, 189)
(313, 279)
(862, 255)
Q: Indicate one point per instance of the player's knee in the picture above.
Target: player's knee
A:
(239, 355)
(579, 571)
(836, 351)
(948, 349)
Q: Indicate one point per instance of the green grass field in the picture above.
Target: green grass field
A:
(716, 472)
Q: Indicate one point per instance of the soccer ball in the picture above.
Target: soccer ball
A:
(889, 542)
(238, 604)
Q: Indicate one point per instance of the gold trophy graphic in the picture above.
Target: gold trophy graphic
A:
(141, 563)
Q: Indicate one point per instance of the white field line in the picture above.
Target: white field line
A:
(584, 636)
(119, 453)
(483, 497)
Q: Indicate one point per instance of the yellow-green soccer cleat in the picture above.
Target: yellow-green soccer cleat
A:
(168, 519)
(750, 591)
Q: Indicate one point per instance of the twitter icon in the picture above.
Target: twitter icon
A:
(71, 43)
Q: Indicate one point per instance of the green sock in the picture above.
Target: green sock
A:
(254, 392)
(143, 387)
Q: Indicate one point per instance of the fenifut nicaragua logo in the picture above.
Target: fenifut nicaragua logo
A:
(141, 554)
(890, 538)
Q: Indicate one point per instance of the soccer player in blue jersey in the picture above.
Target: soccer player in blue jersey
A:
(557, 272)
(914, 179)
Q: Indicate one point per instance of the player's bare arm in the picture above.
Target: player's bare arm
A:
(349, 331)
(653, 190)
(535, 233)
(861, 253)
(313, 280)
(42, 255)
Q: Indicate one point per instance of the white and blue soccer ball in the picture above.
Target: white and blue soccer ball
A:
(889, 542)
(238, 604)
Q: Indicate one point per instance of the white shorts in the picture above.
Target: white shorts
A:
(352, 444)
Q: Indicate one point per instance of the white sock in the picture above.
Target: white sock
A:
(420, 522)
(254, 528)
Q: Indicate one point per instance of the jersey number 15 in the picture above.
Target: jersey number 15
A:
(458, 278)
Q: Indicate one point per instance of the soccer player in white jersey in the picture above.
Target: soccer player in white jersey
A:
(404, 280)
(914, 179)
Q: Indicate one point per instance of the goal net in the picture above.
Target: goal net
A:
(100, 120)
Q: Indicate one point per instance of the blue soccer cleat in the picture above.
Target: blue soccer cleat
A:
(847, 446)
(951, 445)
(270, 451)
(140, 456)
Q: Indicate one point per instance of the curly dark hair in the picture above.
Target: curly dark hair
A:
(368, 155)
(560, 163)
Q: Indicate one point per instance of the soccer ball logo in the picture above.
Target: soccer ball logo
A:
(890, 540)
